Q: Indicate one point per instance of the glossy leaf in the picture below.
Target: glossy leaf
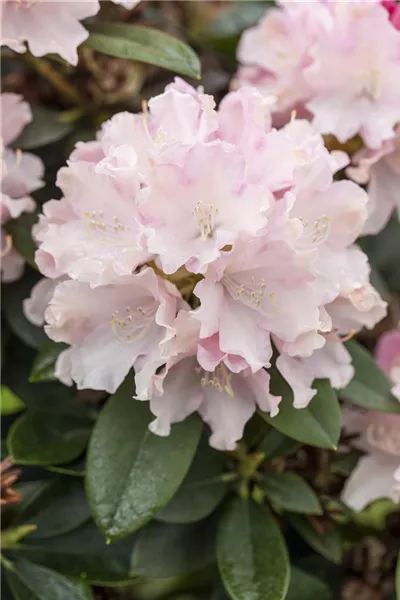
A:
(201, 490)
(44, 364)
(317, 425)
(131, 473)
(328, 544)
(276, 444)
(304, 586)
(44, 439)
(10, 403)
(146, 45)
(290, 492)
(29, 581)
(369, 388)
(251, 552)
(164, 550)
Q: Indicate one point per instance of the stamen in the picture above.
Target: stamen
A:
(132, 327)
(205, 214)
(384, 438)
(252, 294)
(333, 337)
(106, 233)
(220, 379)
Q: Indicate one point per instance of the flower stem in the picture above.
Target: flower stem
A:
(44, 68)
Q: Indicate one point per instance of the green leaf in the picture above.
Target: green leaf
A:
(233, 19)
(82, 552)
(252, 556)
(304, 586)
(291, 492)
(20, 230)
(44, 363)
(144, 44)
(201, 490)
(47, 439)
(10, 403)
(328, 544)
(47, 126)
(316, 425)
(276, 444)
(59, 507)
(164, 550)
(29, 581)
(13, 296)
(369, 388)
(131, 473)
(12, 535)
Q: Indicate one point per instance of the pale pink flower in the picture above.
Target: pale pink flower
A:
(388, 358)
(21, 174)
(35, 306)
(110, 327)
(46, 26)
(127, 3)
(380, 169)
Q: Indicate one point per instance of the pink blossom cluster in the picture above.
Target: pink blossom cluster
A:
(189, 243)
(21, 174)
(377, 474)
(48, 26)
(338, 64)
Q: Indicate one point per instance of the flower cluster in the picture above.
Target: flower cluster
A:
(48, 26)
(21, 174)
(189, 243)
(377, 474)
(321, 58)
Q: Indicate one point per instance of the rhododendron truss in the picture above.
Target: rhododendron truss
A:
(21, 174)
(188, 243)
(288, 55)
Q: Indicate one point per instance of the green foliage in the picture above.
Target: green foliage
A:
(46, 127)
(44, 363)
(10, 403)
(304, 586)
(290, 492)
(327, 542)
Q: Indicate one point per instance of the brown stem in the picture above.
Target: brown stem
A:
(44, 68)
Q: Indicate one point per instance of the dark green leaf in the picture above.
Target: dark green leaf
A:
(44, 363)
(236, 17)
(47, 126)
(344, 464)
(144, 45)
(43, 439)
(82, 552)
(20, 230)
(132, 473)
(317, 425)
(291, 492)
(276, 444)
(304, 586)
(252, 557)
(369, 388)
(13, 296)
(328, 544)
(164, 550)
(201, 490)
(10, 403)
(29, 581)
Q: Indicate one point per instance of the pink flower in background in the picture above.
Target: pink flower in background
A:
(222, 236)
(46, 26)
(377, 474)
(21, 174)
(380, 169)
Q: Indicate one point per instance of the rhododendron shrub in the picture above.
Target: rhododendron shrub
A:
(200, 300)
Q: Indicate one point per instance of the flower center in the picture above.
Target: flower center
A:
(371, 83)
(205, 215)
(384, 437)
(220, 379)
(251, 293)
(103, 231)
(131, 325)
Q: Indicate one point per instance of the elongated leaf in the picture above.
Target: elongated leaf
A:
(369, 388)
(252, 557)
(20, 230)
(29, 581)
(131, 473)
(47, 126)
(304, 586)
(291, 492)
(328, 544)
(82, 552)
(44, 364)
(47, 439)
(276, 444)
(10, 403)
(144, 45)
(317, 425)
(201, 490)
(164, 550)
